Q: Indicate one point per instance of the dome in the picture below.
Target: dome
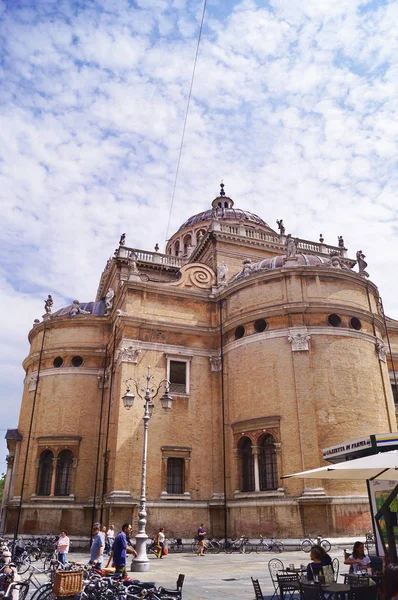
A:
(277, 262)
(234, 214)
(94, 308)
(303, 260)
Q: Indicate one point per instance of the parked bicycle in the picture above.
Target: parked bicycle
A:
(211, 546)
(174, 545)
(241, 545)
(269, 546)
(309, 542)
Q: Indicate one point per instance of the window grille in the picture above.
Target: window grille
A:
(45, 473)
(267, 464)
(63, 479)
(175, 476)
(178, 377)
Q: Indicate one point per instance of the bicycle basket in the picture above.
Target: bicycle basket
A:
(68, 583)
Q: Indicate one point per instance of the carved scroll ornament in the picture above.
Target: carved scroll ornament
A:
(196, 275)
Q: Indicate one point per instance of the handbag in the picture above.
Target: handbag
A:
(165, 551)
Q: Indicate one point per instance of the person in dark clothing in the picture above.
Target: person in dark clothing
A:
(120, 550)
(319, 559)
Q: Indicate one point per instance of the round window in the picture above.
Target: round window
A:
(260, 325)
(58, 362)
(77, 361)
(355, 323)
(334, 320)
(239, 332)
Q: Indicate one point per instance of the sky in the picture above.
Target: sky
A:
(294, 106)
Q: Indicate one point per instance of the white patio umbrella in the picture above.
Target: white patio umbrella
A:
(383, 465)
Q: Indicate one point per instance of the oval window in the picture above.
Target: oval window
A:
(58, 362)
(355, 323)
(77, 361)
(239, 332)
(260, 325)
(334, 320)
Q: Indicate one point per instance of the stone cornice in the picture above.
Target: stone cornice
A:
(284, 308)
(66, 371)
(170, 349)
(285, 332)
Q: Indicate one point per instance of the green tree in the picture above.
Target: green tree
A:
(2, 482)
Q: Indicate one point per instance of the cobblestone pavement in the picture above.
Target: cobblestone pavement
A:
(220, 575)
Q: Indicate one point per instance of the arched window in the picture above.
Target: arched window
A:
(267, 464)
(63, 479)
(187, 243)
(225, 204)
(45, 473)
(246, 464)
(177, 248)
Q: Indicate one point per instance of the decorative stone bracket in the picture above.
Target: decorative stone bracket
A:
(299, 340)
(381, 349)
(128, 354)
(31, 381)
(215, 363)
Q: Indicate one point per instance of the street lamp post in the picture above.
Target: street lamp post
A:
(147, 392)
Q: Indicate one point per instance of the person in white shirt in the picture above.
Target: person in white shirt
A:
(63, 546)
(357, 560)
(110, 538)
(160, 542)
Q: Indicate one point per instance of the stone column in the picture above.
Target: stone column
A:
(256, 452)
(53, 476)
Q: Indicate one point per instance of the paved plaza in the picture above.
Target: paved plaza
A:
(219, 575)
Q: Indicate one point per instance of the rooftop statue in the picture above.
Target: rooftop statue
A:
(281, 226)
(48, 304)
(77, 310)
(122, 240)
(222, 272)
(362, 264)
(291, 246)
(110, 295)
(341, 241)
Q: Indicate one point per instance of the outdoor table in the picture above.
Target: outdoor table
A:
(337, 590)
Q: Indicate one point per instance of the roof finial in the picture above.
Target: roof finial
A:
(222, 193)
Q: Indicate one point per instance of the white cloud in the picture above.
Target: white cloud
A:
(294, 105)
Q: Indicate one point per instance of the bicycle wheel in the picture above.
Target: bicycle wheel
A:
(195, 547)
(260, 548)
(245, 548)
(326, 545)
(229, 548)
(277, 546)
(215, 547)
(23, 563)
(306, 546)
(45, 592)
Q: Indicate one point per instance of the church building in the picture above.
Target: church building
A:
(274, 347)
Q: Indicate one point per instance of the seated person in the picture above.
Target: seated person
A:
(319, 559)
(390, 582)
(357, 560)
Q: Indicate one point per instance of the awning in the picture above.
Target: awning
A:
(383, 465)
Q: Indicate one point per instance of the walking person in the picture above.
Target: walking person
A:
(160, 542)
(110, 538)
(120, 549)
(201, 540)
(97, 546)
(63, 547)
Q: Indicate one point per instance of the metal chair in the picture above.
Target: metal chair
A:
(335, 566)
(257, 589)
(176, 594)
(311, 592)
(288, 583)
(356, 580)
(275, 565)
(362, 592)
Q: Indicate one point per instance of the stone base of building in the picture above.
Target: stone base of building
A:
(278, 517)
